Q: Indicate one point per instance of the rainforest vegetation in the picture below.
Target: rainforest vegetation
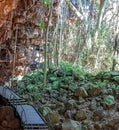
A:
(62, 56)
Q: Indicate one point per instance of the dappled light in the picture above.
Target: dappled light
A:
(62, 56)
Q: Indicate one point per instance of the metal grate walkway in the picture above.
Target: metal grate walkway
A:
(31, 119)
(11, 96)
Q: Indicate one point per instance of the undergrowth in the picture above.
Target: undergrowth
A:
(69, 77)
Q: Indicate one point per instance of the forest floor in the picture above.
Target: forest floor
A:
(73, 99)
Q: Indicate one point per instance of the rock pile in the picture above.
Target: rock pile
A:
(8, 119)
(69, 102)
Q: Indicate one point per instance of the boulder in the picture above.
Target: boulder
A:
(71, 125)
(80, 115)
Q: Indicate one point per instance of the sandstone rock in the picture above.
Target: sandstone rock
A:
(98, 113)
(81, 100)
(81, 92)
(6, 112)
(71, 125)
(58, 126)
(93, 105)
(13, 124)
(54, 117)
(98, 126)
(80, 115)
(85, 122)
(84, 128)
(59, 104)
(111, 122)
(116, 126)
(8, 119)
(70, 114)
(70, 104)
(2, 128)
(96, 118)
(94, 91)
(91, 127)
(62, 110)
(118, 107)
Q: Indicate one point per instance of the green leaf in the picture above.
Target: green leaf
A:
(84, 90)
(42, 25)
(35, 89)
(53, 78)
(36, 95)
(101, 84)
(115, 86)
(47, 2)
(107, 75)
(109, 100)
(30, 87)
(116, 78)
(46, 110)
(55, 84)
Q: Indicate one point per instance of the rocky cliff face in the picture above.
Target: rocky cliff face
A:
(19, 33)
(18, 15)
(6, 7)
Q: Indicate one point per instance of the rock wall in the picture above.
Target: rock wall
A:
(19, 34)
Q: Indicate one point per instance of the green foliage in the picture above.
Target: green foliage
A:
(97, 4)
(42, 25)
(67, 68)
(116, 78)
(109, 100)
(115, 86)
(55, 84)
(70, 69)
(101, 84)
(30, 87)
(66, 75)
(84, 90)
(92, 86)
(48, 2)
(46, 110)
(31, 83)
(69, 77)
(53, 78)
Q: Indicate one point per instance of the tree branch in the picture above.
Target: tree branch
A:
(72, 7)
